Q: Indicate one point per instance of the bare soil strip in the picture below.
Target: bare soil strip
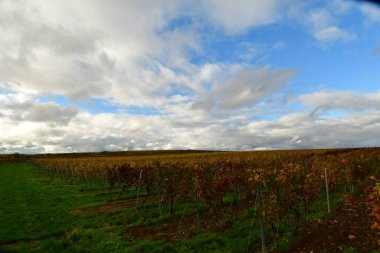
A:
(349, 226)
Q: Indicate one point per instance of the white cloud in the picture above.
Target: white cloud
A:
(371, 12)
(332, 33)
(122, 131)
(324, 28)
(24, 108)
(342, 100)
(340, 6)
(91, 49)
(238, 16)
(248, 51)
(248, 86)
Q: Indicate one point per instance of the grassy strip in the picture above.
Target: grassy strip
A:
(35, 213)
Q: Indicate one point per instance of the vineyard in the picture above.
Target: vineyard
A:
(192, 193)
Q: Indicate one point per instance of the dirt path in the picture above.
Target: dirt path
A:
(109, 207)
(348, 227)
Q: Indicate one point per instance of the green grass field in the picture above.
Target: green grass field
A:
(35, 215)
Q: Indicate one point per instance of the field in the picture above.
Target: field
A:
(277, 201)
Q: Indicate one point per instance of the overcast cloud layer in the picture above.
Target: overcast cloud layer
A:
(100, 75)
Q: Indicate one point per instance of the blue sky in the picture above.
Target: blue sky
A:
(113, 75)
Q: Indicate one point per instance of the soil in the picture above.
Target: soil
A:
(109, 207)
(348, 227)
(175, 228)
(167, 231)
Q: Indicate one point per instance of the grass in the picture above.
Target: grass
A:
(319, 206)
(35, 214)
(349, 250)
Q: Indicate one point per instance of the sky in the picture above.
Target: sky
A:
(111, 75)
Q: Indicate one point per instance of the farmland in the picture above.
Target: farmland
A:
(189, 201)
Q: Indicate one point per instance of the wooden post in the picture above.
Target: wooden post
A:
(138, 189)
(118, 177)
(85, 176)
(327, 191)
(72, 172)
(158, 185)
(77, 172)
(67, 174)
(54, 173)
(159, 198)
